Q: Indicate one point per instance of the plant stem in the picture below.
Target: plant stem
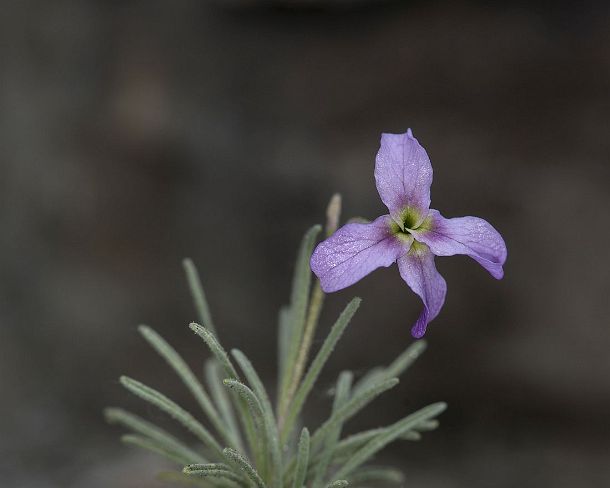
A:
(313, 314)
(333, 211)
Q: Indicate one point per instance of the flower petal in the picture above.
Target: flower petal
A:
(354, 251)
(418, 270)
(471, 236)
(403, 175)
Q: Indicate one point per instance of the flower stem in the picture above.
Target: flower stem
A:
(316, 301)
(313, 314)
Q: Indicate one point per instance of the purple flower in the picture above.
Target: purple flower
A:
(411, 235)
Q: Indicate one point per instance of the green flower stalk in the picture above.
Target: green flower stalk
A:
(242, 440)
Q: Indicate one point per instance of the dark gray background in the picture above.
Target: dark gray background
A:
(135, 133)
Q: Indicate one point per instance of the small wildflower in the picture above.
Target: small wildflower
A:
(411, 235)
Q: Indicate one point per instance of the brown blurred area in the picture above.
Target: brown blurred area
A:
(133, 134)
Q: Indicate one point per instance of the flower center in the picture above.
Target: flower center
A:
(410, 221)
(410, 218)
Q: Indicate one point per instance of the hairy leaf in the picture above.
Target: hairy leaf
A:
(245, 466)
(392, 433)
(147, 430)
(317, 364)
(173, 409)
(198, 295)
(302, 460)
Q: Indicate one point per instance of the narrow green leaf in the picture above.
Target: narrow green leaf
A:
(182, 479)
(411, 435)
(213, 470)
(377, 475)
(217, 350)
(348, 446)
(370, 376)
(252, 415)
(283, 342)
(316, 366)
(196, 468)
(223, 403)
(245, 466)
(338, 484)
(406, 359)
(198, 295)
(173, 409)
(146, 429)
(351, 408)
(392, 433)
(427, 426)
(154, 446)
(254, 406)
(298, 307)
(220, 473)
(258, 388)
(188, 378)
(396, 368)
(223, 359)
(342, 391)
(302, 460)
(203, 481)
(270, 425)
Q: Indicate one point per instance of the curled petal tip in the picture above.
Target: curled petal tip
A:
(498, 274)
(418, 270)
(418, 332)
(419, 328)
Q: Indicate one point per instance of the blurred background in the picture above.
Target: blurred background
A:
(133, 134)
